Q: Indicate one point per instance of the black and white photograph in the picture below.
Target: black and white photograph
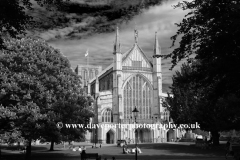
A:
(119, 79)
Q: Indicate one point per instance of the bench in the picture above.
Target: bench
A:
(90, 156)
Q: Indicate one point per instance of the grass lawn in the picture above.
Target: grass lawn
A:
(149, 151)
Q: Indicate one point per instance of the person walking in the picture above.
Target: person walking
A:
(83, 154)
(229, 149)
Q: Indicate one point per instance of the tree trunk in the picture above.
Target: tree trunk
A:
(215, 138)
(52, 145)
(28, 150)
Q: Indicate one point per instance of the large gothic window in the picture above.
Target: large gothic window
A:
(107, 116)
(137, 92)
(166, 116)
(91, 74)
(106, 82)
(85, 74)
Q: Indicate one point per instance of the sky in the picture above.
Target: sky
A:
(160, 19)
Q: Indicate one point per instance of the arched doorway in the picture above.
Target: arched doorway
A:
(110, 137)
(143, 135)
(170, 135)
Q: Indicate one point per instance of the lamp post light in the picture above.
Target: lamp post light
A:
(135, 112)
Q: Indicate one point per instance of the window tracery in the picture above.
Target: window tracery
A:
(166, 115)
(137, 92)
(107, 115)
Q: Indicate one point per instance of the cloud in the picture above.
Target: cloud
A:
(159, 18)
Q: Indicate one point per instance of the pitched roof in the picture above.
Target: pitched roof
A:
(126, 54)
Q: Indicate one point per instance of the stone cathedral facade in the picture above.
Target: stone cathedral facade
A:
(131, 80)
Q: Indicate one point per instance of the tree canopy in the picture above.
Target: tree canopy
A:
(35, 79)
(208, 86)
(14, 19)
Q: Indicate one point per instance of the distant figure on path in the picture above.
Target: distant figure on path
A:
(74, 149)
(80, 149)
(139, 150)
(229, 149)
(83, 155)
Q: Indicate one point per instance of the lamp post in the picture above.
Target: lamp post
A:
(95, 137)
(1, 147)
(120, 128)
(135, 112)
(153, 130)
(129, 140)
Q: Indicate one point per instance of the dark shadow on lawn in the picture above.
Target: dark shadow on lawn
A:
(15, 148)
(39, 156)
(154, 157)
(184, 149)
(158, 151)
(38, 152)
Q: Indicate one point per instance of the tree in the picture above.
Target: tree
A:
(76, 134)
(193, 102)
(13, 17)
(210, 34)
(34, 77)
(75, 105)
(182, 105)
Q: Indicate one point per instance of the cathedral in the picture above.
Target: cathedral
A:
(132, 80)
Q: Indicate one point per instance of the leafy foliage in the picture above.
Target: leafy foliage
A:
(182, 105)
(206, 26)
(210, 33)
(14, 19)
(193, 102)
(35, 78)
